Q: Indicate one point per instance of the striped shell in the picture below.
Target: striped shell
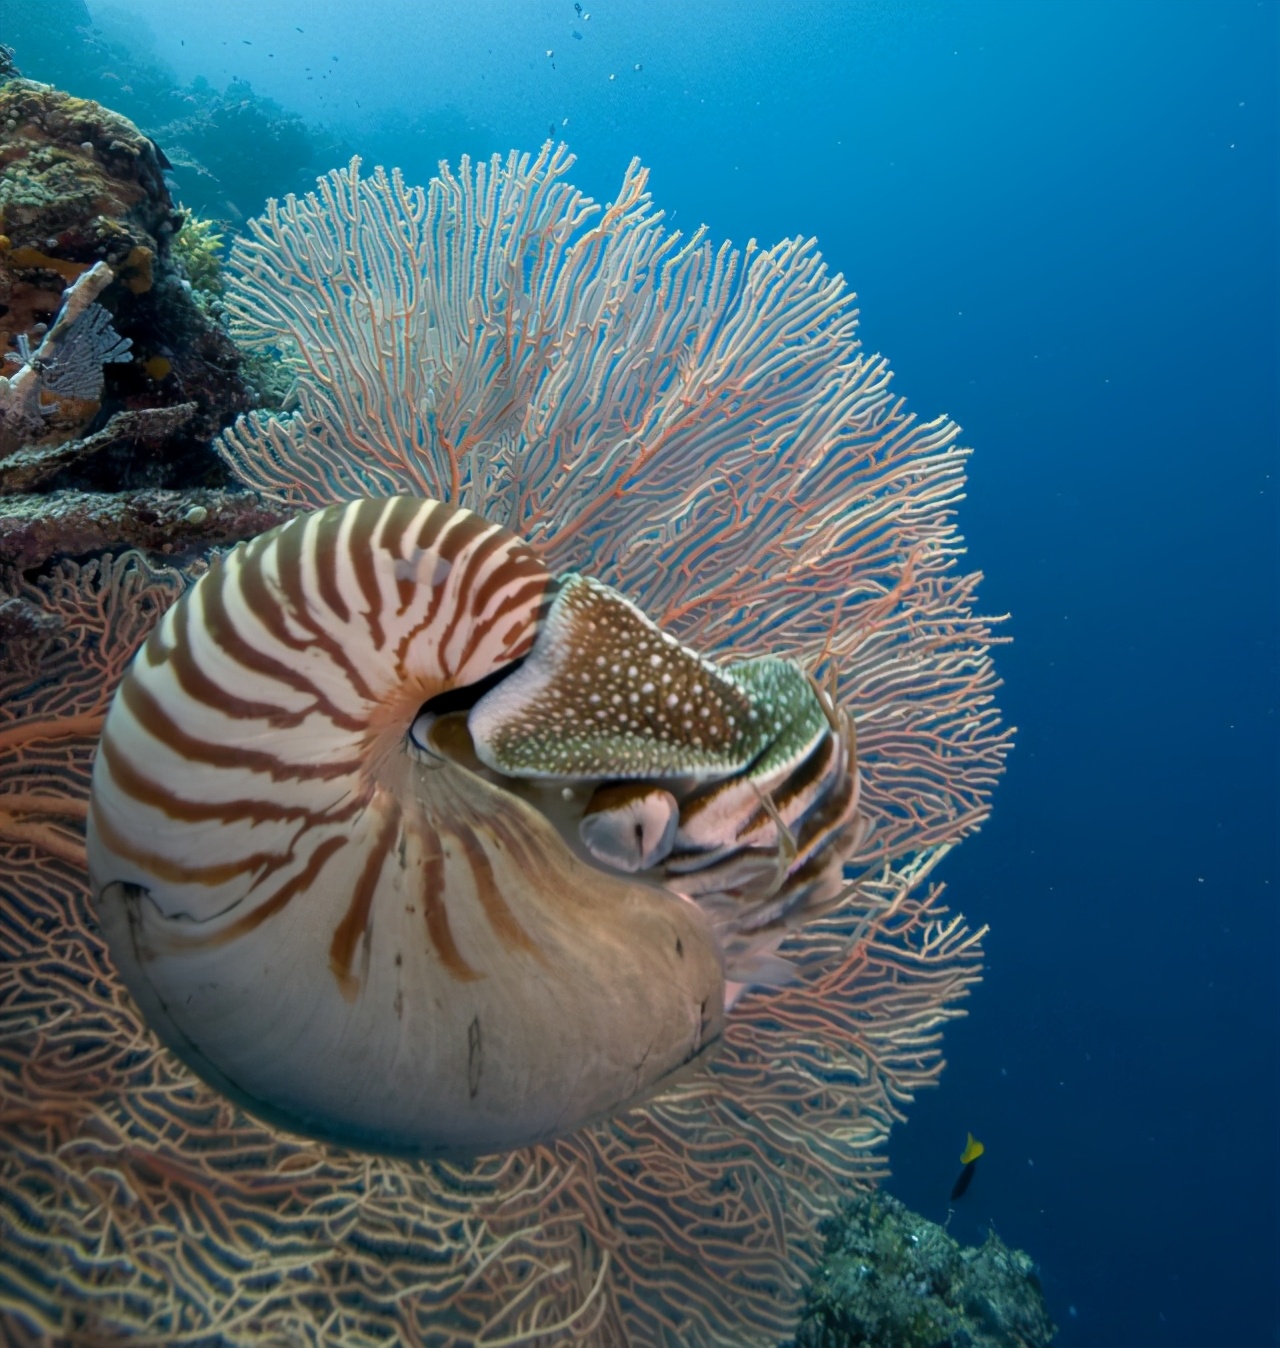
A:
(343, 879)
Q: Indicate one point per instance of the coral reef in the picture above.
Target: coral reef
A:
(198, 247)
(890, 1279)
(80, 185)
(57, 378)
(229, 149)
(124, 369)
(232, 150)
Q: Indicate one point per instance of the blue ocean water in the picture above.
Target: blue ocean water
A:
(1061, 220)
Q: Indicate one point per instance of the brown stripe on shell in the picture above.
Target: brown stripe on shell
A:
(432, 526)
(157, 722)
(464, 531)
(428, 538)
(404, 510)
(326, 541)
(199, 687)
(471, 584)
(502, 575)
(520, 562)
(808, 773)
(464, 528)
(473, 578)
(439, 933)
(785, 796)
(297, 884)
(135, 784)
(162, 868)
(289, 555)
(222, 630)
(356, 922)
(361, 553)
(831, 815)
(496, 910)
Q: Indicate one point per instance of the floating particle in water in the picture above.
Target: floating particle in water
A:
(637, 66)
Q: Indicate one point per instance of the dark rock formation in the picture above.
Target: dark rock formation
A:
(78, 185)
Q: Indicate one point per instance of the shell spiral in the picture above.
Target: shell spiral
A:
(351, 937)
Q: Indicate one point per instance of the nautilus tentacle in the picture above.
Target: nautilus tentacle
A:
(358, 937)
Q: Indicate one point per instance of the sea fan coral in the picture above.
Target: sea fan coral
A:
(67, 363)
(697, 427)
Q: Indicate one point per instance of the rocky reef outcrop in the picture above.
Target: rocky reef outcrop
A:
(891, 1279)
(128, 406)
(80, 184)
(231, 148)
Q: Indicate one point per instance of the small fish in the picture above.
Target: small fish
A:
(577, 35)
(969, 1159)
(297, 30)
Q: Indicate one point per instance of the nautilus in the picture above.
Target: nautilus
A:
(403, 842)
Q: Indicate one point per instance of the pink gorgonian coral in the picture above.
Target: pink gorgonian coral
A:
(697, 428)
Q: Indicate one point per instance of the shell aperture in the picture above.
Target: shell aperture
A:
(355, 939)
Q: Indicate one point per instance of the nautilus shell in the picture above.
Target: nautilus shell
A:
(403, 842)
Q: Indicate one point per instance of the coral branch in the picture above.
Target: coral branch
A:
(68, 360)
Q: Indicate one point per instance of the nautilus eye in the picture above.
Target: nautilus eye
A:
(351, 936)
(630, 826)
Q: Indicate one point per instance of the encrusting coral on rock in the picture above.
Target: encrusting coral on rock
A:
(890, 1279)
(118, 377)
